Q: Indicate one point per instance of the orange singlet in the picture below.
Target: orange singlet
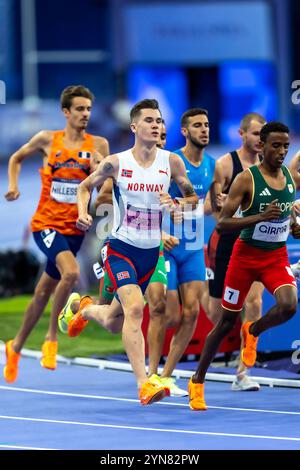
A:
(57, 208)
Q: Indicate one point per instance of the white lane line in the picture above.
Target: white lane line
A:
(2, 446)
(140, 428)
(134, 400)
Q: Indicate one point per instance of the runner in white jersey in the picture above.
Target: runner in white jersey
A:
(141, 179)
(137, 210)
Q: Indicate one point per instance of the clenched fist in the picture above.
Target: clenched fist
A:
(12, 195)
(84, 222)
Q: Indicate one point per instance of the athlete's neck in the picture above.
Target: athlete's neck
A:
(193, 154)
(247, 157)
(74, 135)
(144, 153)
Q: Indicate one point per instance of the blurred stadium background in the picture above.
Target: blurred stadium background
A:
(231, 57)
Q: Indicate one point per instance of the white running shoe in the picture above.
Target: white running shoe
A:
(296, 269)
(169, 382)
(245, 384)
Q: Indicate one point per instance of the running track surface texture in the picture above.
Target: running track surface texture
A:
(79, 407)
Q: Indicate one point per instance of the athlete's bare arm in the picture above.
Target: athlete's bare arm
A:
(295, 168)
(295, 227)
(222, 177)
(105, 193)
(178, 173)
(240, 194)
(39, 143)
(108, 168)
(224, 168)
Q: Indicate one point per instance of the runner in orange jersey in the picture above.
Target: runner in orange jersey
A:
(69, 156)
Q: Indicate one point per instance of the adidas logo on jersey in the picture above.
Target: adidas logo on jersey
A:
(265, 192)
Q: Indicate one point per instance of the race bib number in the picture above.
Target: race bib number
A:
(272, 231)
(231, 295)
(63, 190)
(141, 219)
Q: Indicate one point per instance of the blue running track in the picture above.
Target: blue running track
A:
(79, 407)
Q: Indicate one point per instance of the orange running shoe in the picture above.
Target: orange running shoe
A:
(49, 351)
(78, 323)
(196, 393)
(150, 393)
(10, 370)
(248, 354)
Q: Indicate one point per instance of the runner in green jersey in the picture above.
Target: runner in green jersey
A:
(266, 194)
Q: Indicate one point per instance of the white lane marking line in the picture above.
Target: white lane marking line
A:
(2, 446)
(140, 428)
(133, 400)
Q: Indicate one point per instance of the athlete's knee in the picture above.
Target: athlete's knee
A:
(114, 326)
(173, 319)
(135, 311)
(70, 277)
(157, 308)
(287, 308)
(190, 313)
(253, 309)
(227, 322)
(213, 314)
(42, 294)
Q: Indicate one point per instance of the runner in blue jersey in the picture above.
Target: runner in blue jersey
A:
(183, 243)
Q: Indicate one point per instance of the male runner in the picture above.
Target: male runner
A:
(68, 158)
(183, 244)
(141, 178)
(220, 245)
(266, 193)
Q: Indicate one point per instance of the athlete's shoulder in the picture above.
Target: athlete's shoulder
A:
(245, 175)
(42, 139)
(101, 144)
(177, 152)
(225, 159)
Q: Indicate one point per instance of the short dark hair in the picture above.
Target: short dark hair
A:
(73, 91)
(246, 120)
(143, 104)
(272, 126)
(190, 113)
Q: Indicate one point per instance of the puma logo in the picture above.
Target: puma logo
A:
(164, 172)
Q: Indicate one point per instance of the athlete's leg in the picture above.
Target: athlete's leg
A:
(204, 296)
(284, 309)
(191, 280)
(110, 317)
(44, 288)
(69, 271)
(212, 342)
(190, 310)
(173, 313)
(252, 312)
(156, 297)
(132, 301)
(214, 309)
(278, 278)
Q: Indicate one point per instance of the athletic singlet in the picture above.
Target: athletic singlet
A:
(137, 212)
(191, 231)
(236, 169)
(269, 234)
(57, 207)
